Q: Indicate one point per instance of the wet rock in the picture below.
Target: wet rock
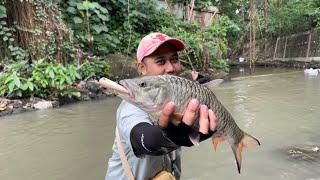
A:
(20, 110)
(43, 105)
(8, 106)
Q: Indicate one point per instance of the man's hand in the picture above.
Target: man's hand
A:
(207, 117)
(194, 75)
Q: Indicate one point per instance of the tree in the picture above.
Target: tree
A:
(36, 29)
(252, 16)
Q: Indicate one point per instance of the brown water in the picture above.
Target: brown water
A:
(74, 142)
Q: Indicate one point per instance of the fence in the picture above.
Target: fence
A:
(298, 47)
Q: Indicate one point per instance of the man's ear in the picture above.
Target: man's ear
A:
(142, 69)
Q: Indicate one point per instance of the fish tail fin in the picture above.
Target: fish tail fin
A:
(247, 141)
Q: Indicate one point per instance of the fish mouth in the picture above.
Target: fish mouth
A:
(129, 94)
(115, 87)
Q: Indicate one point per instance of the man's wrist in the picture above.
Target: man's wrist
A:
(179, 134)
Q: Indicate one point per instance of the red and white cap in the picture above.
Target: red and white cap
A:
(152, 41)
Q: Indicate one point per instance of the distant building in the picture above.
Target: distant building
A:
(204, 17)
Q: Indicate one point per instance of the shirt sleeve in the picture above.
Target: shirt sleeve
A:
(151, 140)
(128, 116)
(136, 129)
(202, 79)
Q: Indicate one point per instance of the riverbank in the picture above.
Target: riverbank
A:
(89, 90)
(280, 63)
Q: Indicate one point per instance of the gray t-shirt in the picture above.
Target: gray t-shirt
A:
(147, 167)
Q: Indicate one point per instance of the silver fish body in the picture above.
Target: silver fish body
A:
(151, 93)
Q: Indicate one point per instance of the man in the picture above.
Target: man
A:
(147, 146)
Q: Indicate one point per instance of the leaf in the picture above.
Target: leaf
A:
(5, 38)
(11, 86)
(92, 5)
(30, 85)
(68, 80)
(10, 78)
(96, 5)
(24, 86)
(104, 28)
(78, 75)
(72, 3)
(97, 28)
(96, 11)
(103, 17)
(19, 93)
(72, 10)
(17, 81)
(77, 94)
(86, 5)
(77, 20)
(3, 12)
(51, 74)
(103, 10)
(62, 80)
(80, 6)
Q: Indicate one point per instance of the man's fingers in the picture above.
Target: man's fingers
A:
(190, 113)
(165, 115)
(213, 120)
(204, 121)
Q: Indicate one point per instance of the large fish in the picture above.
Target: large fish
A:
(151, 93)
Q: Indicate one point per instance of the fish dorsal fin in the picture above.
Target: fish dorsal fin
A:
(213, 84)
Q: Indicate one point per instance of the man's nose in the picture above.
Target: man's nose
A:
(169, 68)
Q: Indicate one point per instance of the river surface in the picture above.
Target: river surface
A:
(74, 142)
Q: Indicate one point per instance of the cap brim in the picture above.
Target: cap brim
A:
(178, 44)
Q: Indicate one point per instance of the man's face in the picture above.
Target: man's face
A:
(164, 60)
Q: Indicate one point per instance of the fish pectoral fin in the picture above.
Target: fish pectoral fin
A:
(246, 142)
(177, 116)
(216, 141)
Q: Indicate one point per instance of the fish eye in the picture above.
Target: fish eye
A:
(142, 84)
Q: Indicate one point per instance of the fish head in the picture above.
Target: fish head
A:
(150, 93)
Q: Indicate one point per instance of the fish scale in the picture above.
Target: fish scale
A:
(207, 97)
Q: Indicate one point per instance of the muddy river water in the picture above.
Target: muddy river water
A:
(74, 142)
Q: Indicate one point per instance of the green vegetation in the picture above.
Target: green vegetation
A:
(50, 50)
(204, 46)
(40, 79)
(47, 80)
(289, 17)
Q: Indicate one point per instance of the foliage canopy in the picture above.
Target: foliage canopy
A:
(52, 60)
